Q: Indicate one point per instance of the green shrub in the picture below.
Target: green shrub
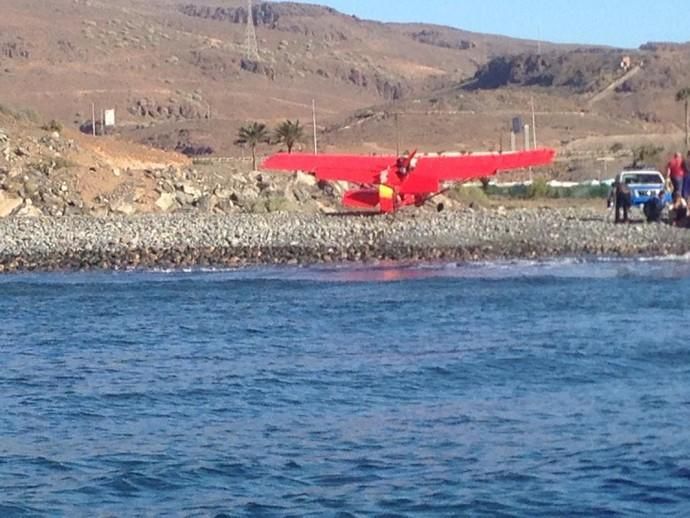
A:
(46, 167)
(30, 115)
(469, 195)
(581, 192)
(7, 111)
(53, 125)
(18, 115)
(539, 188)
(63, 163)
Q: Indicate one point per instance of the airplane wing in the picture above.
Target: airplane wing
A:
(469, 167)
(348, 168)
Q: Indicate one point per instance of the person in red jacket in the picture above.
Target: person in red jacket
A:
(686, 180)
(675, 172)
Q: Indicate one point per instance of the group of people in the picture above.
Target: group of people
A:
(677, 183)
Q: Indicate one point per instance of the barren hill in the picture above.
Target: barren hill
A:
(173, 65)
(179, 76)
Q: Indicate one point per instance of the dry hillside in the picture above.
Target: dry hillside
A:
(168, 65)
(178, 75)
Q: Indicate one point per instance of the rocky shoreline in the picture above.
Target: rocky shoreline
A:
(196, 240)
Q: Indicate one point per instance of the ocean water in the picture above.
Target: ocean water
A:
(501, 389)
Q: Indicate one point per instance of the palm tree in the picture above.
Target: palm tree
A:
(683, 96)
(252, 135)
(289, 133)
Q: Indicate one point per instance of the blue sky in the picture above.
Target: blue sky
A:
(624, 23)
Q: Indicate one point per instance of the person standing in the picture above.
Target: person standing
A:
(622, 197)
(686, 177)
(675, 172)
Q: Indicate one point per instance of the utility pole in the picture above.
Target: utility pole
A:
(516, 127)
(93, 119)
(251, 46)
(397, 135)
(534, 126)
(313, 116)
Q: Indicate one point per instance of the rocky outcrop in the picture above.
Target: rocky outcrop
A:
(15, 49)
(438, 39)
(190, 190)
(5, 150)
(283, 16)
(257, 67)
(213, 63)
(29, 210)
(182, 140)
(32, 180)
(8, 204)
(581, 70)
(389, 89)
(265, 14)
(664, 46)
(173, 109)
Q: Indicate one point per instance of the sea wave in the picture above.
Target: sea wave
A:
(659, 267)
(296, 391)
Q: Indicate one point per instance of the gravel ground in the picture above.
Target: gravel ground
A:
(192, 239)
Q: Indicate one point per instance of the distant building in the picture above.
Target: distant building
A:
(626, 63)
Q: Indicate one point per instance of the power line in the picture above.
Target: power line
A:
(251, 46)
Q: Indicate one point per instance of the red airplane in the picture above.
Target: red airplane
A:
(390, 182)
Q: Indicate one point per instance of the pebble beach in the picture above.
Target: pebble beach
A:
(196, 240)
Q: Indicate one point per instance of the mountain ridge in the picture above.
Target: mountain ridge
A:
(178, 76)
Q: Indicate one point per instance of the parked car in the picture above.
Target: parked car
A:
(644, 185)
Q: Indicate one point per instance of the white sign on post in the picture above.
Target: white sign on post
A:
(109, 117)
